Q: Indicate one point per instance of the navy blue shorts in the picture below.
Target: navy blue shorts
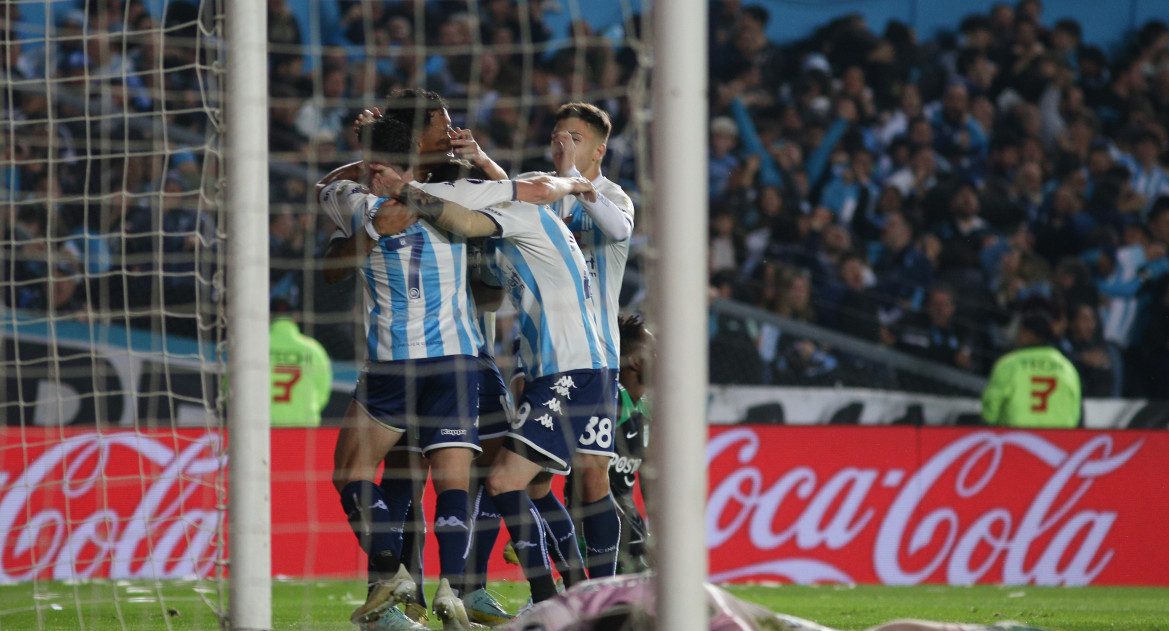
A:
(435, 402)
(495, 404)
(563, 414)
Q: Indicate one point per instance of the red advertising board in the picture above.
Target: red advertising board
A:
(892, 505)
(900, 505)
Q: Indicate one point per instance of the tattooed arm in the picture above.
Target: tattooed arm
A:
(446, 215)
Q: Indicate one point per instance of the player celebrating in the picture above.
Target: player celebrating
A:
(421, 374)
(567, 401)
(603, 228)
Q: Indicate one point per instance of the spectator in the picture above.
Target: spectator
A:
(1097, 361)
(963, 234)
(723, 163)
(935, 334)
(903, 271)
(857, 309)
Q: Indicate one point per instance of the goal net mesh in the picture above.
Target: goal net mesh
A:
(111, 318)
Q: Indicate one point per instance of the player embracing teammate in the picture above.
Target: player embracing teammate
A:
(567, 307)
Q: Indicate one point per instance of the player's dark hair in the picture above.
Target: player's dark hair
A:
(457, 170)
(413, 107)
(592, 115)
(390, 138)
(632, 331)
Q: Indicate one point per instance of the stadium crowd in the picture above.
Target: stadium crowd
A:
(925, 195)
(920, 195)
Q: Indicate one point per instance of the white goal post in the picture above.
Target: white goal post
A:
(679, 199)
(249, 390)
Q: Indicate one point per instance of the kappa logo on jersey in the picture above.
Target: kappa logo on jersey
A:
(554, 405)
(564, 386)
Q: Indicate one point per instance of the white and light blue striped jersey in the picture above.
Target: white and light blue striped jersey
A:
(482, 255)
(1119, 314)
(544, 275)
(605, 259)
(1151, 183)
(417, 304)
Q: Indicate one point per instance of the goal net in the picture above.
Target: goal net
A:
(113, 326)
(111, 319)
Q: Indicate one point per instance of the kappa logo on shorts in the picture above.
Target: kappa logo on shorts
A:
(452, 432)
(564, 386)
(554, 405)
(545, 420)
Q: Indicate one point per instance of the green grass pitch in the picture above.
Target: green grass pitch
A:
(325, 605)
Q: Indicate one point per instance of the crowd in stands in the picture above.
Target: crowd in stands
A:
(134, 236)
(920, 195)
(925, 195)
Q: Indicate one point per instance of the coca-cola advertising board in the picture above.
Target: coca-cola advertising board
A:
(901, 506)
(894, 505)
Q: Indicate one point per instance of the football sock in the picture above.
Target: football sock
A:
(561, 536)
(453, 534)
(413, 547)
(486, 531)
(527, 536)
(602, 533)
(373, 521)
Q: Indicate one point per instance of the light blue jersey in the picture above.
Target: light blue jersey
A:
(605, 258)
(1151, 183)
(544, 275)
(417, 303)
(482, 257)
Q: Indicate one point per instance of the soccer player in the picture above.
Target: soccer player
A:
(631, 440)
(567, 400)
(626, 603)
(602, 228)
(421, 375)
(1034, 385)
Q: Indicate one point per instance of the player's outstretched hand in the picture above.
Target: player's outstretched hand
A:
(563, 152)
(583, 188)
(366, 116)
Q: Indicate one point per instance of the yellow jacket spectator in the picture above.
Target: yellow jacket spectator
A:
(301, 376)
(1034, 385)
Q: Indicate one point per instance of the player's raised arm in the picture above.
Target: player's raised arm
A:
(465, 146)
(354, 172)
(447, 215)
(545, 189)
(611, 219)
